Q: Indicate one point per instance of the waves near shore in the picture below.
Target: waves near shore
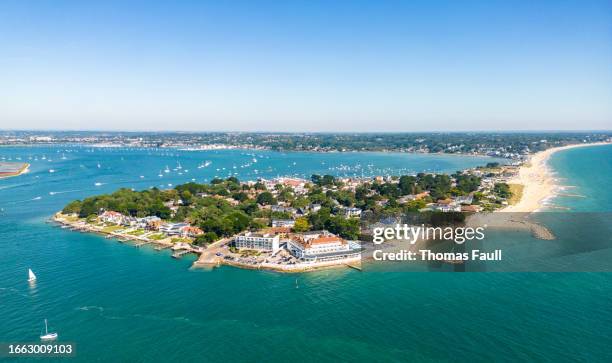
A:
(539, 181)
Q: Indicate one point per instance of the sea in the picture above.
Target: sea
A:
(118, 303)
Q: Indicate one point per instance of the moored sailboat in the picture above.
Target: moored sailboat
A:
(47, 335)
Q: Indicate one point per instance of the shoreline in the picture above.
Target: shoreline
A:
(538, 180)
(204, 258)
(256, 148)
(289, 269)
(78, 225)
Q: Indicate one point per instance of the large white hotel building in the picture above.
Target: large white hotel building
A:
(258, 241)
(322, 246)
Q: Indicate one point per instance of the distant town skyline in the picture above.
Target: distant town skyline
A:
(306, 66)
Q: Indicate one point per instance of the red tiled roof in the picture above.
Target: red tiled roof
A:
(319, 240)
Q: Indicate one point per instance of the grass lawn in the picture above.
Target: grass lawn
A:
(109, 229)
(178, 239)
(157, 237)
(517, 193)
(138, 232)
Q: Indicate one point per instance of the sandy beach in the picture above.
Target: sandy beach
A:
(538, 181)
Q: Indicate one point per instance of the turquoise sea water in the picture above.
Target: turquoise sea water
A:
(119, 303)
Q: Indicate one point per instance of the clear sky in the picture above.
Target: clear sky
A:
(306, 65)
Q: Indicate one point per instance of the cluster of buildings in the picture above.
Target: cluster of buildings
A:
(462, 203)
(151, 223)
(308, 247)
(298, 185)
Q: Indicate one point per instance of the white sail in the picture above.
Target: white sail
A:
(47, 335)
(31, 276)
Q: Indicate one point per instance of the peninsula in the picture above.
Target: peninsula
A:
(290, 224)
(284, 224)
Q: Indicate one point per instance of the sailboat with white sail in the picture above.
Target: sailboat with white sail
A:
(31, 276)
(47, 335)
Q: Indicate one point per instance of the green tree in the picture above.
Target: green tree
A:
(502, 190)
(300, 202)
(240, 196)
(301, 225)
(319, 219)
(266, 198)
(205, 239)
(345, 228)
(72, 207)
(407, 184)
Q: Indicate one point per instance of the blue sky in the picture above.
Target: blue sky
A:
(306, 65)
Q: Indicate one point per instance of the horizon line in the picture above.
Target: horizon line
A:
(308, 132)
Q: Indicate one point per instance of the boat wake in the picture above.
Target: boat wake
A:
(90, 307)
(100, 310)
(12, 290)
(23, 201)
(66, 191)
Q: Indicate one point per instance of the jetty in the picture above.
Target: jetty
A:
(179, 254)
(353, 266)
(142, 243)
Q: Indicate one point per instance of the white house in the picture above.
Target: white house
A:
(283, 223)
(441, 207)
(352, 212)
(147, 221)
(110, 216)
(172, 229)
(464, 199)
(282, 209)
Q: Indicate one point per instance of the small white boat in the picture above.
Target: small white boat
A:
(47, 335)
(51, 171)
(97, 184)
(31, 276)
